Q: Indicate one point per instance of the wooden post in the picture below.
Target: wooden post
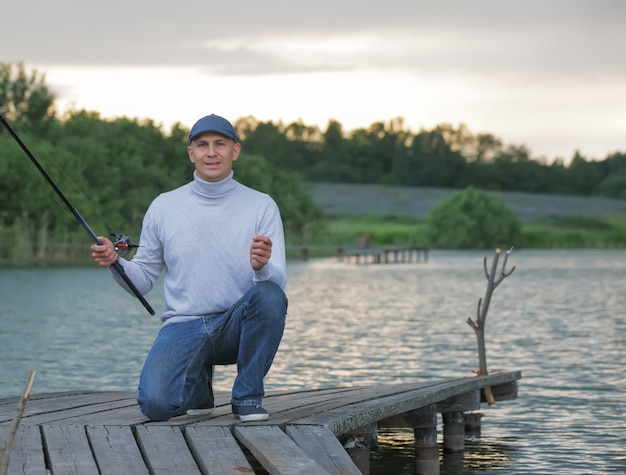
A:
(453, 431)
(481, 313)
(423, 421)
(359, 443)
(473, 422)
(341, 255)
(426, 448)
(455, 421)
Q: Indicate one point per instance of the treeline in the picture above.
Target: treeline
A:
(446, 156)
(112, 169)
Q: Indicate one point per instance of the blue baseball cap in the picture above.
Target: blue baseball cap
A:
(213, 123)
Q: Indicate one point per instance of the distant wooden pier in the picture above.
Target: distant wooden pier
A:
(383, 255)
(310, 432)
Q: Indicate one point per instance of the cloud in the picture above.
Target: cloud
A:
(251, 37)
(532, 72)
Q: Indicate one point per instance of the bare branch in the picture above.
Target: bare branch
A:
(503, 273)
(481, 311)
(471, 323)
(5, 446)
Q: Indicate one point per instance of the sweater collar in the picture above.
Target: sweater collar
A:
(213, 189)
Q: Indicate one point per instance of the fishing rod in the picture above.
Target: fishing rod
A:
(124, 240)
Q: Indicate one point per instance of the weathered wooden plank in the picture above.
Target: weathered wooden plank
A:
(304, 398)
(289, 408)
(461, 402)
(165, 450)
(68, 450)
(276, 452)
(115, 416)
(223, 415)
(13, 401)
(50, 407)
(86, 413)
(350, 417)
(116, 451)
(323, 447)
(305, 393)
(277, 405)
(423, 417)
(216, 451)
(275, 402)
(347, 418)
(27, 457)
(321, 403)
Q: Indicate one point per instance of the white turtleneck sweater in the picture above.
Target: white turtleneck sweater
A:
(201, 233)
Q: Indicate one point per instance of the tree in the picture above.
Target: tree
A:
(369, 154)
(514, 170)
(334, 152)
(432, 163)
(582, 176)
(614, 186)
(25, 97)
(471, 219)
(613, 176)
(266, 139)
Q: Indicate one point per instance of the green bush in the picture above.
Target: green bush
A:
(471, 219)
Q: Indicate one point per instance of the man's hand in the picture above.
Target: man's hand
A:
(260, 251)
(104, 254)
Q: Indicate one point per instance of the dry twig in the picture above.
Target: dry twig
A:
(5, 446)
(481, 312)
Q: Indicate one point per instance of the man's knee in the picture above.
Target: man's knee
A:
(272, 297)
(156, 410)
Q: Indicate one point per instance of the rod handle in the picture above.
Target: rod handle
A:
(122, 273)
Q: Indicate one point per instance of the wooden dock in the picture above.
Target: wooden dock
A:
(383, 255)
(320, 431)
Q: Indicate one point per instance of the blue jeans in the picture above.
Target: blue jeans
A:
(176, 374)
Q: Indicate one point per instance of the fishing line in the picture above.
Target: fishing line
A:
(116, 266)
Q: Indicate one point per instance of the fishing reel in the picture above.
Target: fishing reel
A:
(122, 243)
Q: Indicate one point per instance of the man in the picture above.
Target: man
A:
(223, 250)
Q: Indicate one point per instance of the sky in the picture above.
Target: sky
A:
(546, 74)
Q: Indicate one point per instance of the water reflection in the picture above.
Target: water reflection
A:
(396, 455)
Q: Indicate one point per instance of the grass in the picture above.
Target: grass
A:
(398, 216)
(575, 232)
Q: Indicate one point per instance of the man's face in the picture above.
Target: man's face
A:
(213, 155)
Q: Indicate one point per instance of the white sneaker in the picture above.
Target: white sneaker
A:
(201, 412)
(251, 413)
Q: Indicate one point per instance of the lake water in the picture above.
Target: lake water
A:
(560, 318)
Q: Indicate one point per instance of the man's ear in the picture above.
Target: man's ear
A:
(237, 150)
